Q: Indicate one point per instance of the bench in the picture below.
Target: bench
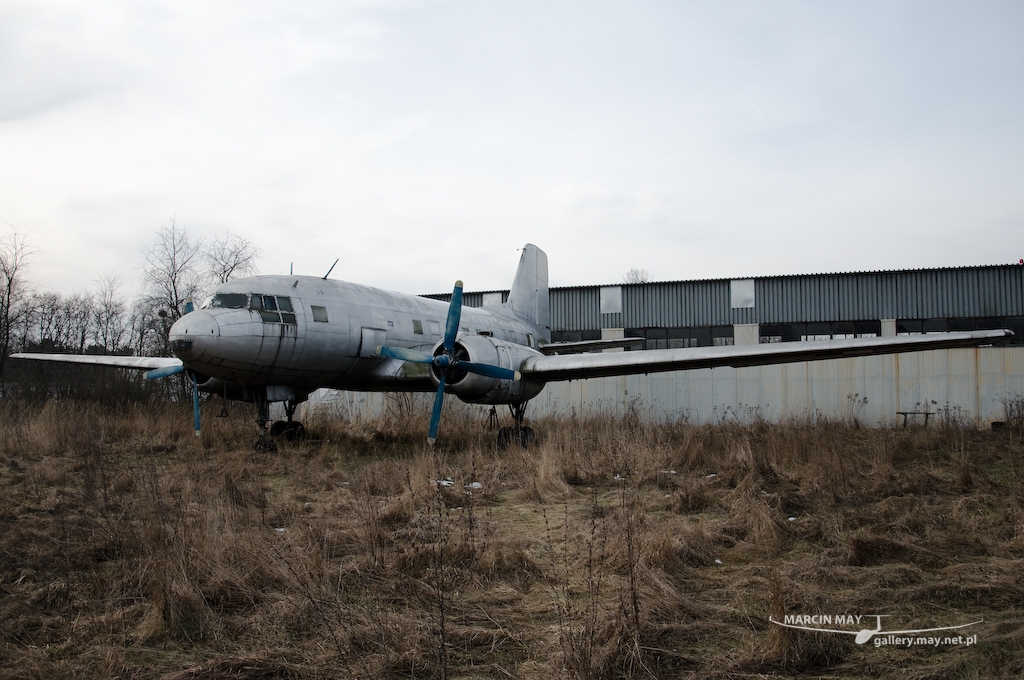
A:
(907, 414)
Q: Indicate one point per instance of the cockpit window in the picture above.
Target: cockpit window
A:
(227, 301)
(273, 309)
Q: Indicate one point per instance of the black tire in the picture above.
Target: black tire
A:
(294, 432)
(524, 438)
(278, 428)
(264, 445)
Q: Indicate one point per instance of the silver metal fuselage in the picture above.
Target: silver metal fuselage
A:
(337, 328)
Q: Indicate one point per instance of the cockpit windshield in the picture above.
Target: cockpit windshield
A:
(227, 301)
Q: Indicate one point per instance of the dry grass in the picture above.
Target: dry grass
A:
(612, 549)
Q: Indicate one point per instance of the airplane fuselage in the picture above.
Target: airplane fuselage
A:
(307, 332)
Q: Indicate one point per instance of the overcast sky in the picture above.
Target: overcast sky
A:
(421, 142)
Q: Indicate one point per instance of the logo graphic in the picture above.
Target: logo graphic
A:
(810, 623)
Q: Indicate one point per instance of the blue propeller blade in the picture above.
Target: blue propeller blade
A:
(412, 355)
(446, 361)
(488, 370)
(435, 416)
(195, 403)
(163, 372)
(451, 328)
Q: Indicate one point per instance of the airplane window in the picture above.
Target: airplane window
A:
(284, 304)
(269, 303)
(271, 317)
(256, 302)
(417, 327)
(319, 313)
(287, 317)
(227, 301)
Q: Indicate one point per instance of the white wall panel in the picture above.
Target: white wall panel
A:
(975, 381)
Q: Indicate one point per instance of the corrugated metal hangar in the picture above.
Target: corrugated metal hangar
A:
(962, 383)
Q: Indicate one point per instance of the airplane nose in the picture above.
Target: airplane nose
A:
(192, 334)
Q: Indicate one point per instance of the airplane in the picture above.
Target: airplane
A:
(267, 339)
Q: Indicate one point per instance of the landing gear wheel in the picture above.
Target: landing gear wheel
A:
(522, 436)
(264, 445)
(519, 434)
(294, 431)
(291, 430)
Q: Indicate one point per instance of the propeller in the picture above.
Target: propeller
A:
(448, 362)
(163, 372)
(195, 401)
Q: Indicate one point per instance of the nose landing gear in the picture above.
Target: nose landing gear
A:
(291, 430)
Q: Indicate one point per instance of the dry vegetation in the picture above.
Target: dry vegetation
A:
(611, 549)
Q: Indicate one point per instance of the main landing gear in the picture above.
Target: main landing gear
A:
(518, 434)
(291, 430)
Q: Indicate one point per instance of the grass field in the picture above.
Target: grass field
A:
(130, 549)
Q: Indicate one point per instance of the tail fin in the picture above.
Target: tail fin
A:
(529, 296)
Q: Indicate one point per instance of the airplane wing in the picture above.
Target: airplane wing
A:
(137, 363)
(576, 366)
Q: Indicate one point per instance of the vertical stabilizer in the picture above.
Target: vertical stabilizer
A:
(529, 295)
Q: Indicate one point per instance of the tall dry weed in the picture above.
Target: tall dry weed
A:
(131, 547)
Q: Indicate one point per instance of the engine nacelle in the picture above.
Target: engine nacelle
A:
(233, 391)
(480, 389)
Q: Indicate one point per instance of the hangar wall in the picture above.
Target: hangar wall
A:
(964, 384)
(969, 384)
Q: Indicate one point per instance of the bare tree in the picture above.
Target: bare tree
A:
(229, 257)
(14, 254)
(110, 322)
(173, 270)
(636, 276)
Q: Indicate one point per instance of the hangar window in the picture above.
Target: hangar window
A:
(722, 335)
(916, 326)
(681, 336)
(822, 330)
(319, 313)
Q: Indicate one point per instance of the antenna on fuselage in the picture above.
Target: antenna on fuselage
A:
(291, 268)
(331, 269)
